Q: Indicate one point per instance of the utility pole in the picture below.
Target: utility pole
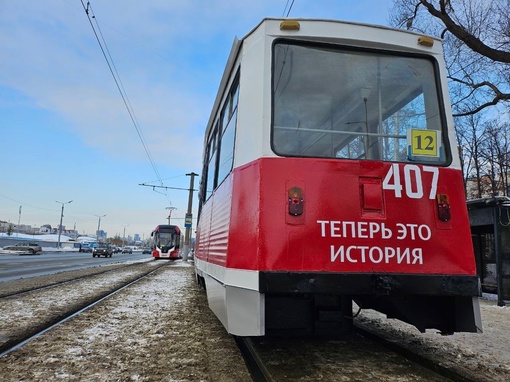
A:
(61, 217)
(189, 217)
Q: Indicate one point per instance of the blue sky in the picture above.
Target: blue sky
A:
(65, 133)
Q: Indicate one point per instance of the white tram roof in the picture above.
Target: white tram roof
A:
(329, 31)
(338, 30)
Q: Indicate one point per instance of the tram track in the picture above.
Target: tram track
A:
(19, 329)
(362, 356)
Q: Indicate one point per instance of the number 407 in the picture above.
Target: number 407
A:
(413, 184)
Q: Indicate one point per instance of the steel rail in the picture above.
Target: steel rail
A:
(254, 363)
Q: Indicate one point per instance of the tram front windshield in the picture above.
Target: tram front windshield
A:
(337, 102)
(167, 239)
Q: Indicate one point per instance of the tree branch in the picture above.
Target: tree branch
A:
(483, 106)
(458, 31)
(499, 95)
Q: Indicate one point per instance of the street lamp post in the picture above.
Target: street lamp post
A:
(61, 217)
(170, 209)
(19, 220)
(124, 236)
(98, 225)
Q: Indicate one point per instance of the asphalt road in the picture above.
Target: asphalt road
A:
(23, 266)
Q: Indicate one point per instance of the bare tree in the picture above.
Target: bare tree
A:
(470, 138)
(476, 37)
(497, 152)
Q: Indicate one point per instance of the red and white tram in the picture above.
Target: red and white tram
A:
(166, 240)
(331, 175)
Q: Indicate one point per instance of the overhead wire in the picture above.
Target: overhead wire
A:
(28, 205)
(291, 4)
(116, 77)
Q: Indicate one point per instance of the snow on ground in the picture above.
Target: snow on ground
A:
(486, 355)
(160, 329)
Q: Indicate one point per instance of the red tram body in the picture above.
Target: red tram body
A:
(331, 176)
(166, 242)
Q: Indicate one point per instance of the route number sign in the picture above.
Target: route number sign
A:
(424, 143)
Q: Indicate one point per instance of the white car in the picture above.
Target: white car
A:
(24, 247)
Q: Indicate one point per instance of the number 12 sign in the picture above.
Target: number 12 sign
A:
(423, 143)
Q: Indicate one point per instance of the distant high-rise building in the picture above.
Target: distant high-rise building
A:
(101, 235)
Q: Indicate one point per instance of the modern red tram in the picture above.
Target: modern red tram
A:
(166, 240)
(331, 176)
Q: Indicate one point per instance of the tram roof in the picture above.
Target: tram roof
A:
(339, 22)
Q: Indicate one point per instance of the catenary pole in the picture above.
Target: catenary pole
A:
(189, 217)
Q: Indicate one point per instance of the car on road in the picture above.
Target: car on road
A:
(85, 247)
(146, 250)
(24, 247)
(102, 250)
(127, 250)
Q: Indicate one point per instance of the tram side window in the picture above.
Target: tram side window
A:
(220, 149)
(211, 166)
(229, 118)
(227, 149)
(337, 102)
